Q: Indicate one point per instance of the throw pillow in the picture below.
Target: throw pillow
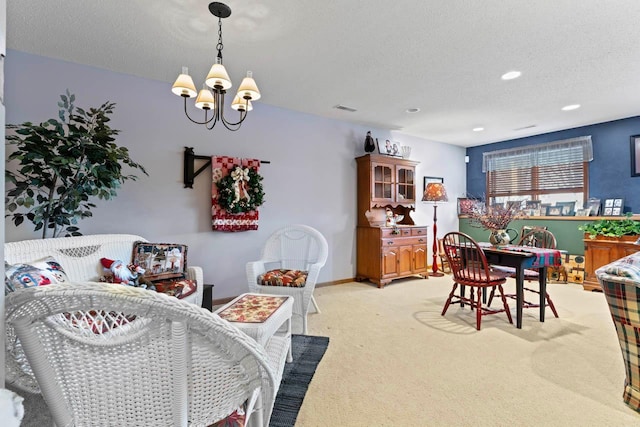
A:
(178, 288)
(46, 271)
(160, 261)
(282, 277)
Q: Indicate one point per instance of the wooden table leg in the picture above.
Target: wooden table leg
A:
(519, 295)
(542, 279)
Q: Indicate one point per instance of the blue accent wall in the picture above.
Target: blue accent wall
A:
(609, 172)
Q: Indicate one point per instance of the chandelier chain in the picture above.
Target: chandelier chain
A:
(220, 45)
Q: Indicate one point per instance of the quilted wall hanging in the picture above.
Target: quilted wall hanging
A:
(236, 193)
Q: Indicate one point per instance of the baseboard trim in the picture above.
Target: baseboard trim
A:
(222, 301)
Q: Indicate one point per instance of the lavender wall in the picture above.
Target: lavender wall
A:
(311, 178)
(609, 172)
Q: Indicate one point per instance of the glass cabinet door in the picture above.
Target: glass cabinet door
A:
(382, 183)
(405, 181)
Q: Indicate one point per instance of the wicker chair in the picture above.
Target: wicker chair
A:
(470, 268)
(104, 354)
(295, 247)
(539, 238)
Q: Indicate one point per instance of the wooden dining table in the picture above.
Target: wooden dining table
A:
(521, 258)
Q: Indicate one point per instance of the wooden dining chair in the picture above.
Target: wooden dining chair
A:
(470, 268)
(444, 262)
(538, 238)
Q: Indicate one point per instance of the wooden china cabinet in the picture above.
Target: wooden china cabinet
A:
(385, 253)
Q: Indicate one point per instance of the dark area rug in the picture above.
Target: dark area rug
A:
(307, 353)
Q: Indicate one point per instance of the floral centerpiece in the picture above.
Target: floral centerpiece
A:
(496, 219)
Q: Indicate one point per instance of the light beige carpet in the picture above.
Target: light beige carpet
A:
(393, 360)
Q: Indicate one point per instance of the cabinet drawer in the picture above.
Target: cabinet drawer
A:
(388, 232)
(402, 241)
(416, 231)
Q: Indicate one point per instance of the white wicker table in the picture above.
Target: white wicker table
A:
(262, 317)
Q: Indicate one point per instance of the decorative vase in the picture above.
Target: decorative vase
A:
(502, 237)
(369, 145)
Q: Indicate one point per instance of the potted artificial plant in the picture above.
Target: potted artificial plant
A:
(62, 163)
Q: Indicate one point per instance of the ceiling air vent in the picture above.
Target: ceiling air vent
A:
(526, 127)
(345, 108)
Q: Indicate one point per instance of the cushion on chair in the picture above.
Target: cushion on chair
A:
(494, 276)
(236, 419)
(512, 271)
(46, 271)
(283, 277)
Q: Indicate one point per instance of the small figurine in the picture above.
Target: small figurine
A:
(131, 275)
(369, 146)
(390, 222)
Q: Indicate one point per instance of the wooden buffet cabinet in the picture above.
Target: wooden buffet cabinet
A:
(601, 251)
(385, 254)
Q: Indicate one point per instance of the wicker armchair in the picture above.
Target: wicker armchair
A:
(104, 354)
(295, 247)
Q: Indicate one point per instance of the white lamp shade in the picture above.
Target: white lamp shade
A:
(184, 86)
(249, 88)
(205, 100)
(218, 76)
(240, 104)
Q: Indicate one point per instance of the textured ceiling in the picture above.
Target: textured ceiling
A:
(379, 57)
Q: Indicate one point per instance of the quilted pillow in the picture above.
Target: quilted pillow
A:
(178, 288)
(161, 260)
(628, 267)
(46, 271)
(282, 277)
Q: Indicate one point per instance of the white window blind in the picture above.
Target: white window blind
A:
(555, 167)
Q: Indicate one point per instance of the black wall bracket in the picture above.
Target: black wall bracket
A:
(190, 163)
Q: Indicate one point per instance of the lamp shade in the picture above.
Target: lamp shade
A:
(249, 88)
(218, 76)
(184, 85)
(205, 100)
(240, 104)
(435, 192)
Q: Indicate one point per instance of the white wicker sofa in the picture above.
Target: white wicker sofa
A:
(80, 256)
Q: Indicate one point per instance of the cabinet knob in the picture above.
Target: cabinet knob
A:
(389, 243)
(420, 240)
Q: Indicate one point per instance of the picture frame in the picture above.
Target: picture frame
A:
(583, 212)
(514, 204)
(616, 211)
(428, 179)
(554, 211)
(544, 209)
(567, 208)
(635, 155)
(608, 203)
(389, 148)
(533, 207)
(618, 203)
(466, 205)
(594, 205)
(607, 211)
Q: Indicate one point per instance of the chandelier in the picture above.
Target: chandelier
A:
(212, 95)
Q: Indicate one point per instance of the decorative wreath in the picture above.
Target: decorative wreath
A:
(240, 191)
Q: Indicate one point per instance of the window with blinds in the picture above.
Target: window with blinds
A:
(532, 172)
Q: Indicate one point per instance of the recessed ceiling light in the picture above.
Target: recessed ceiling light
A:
(478, 129)
(570, 107)
(511, 75)
(412, 110)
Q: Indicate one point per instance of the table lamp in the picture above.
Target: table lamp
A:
(435, 192)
